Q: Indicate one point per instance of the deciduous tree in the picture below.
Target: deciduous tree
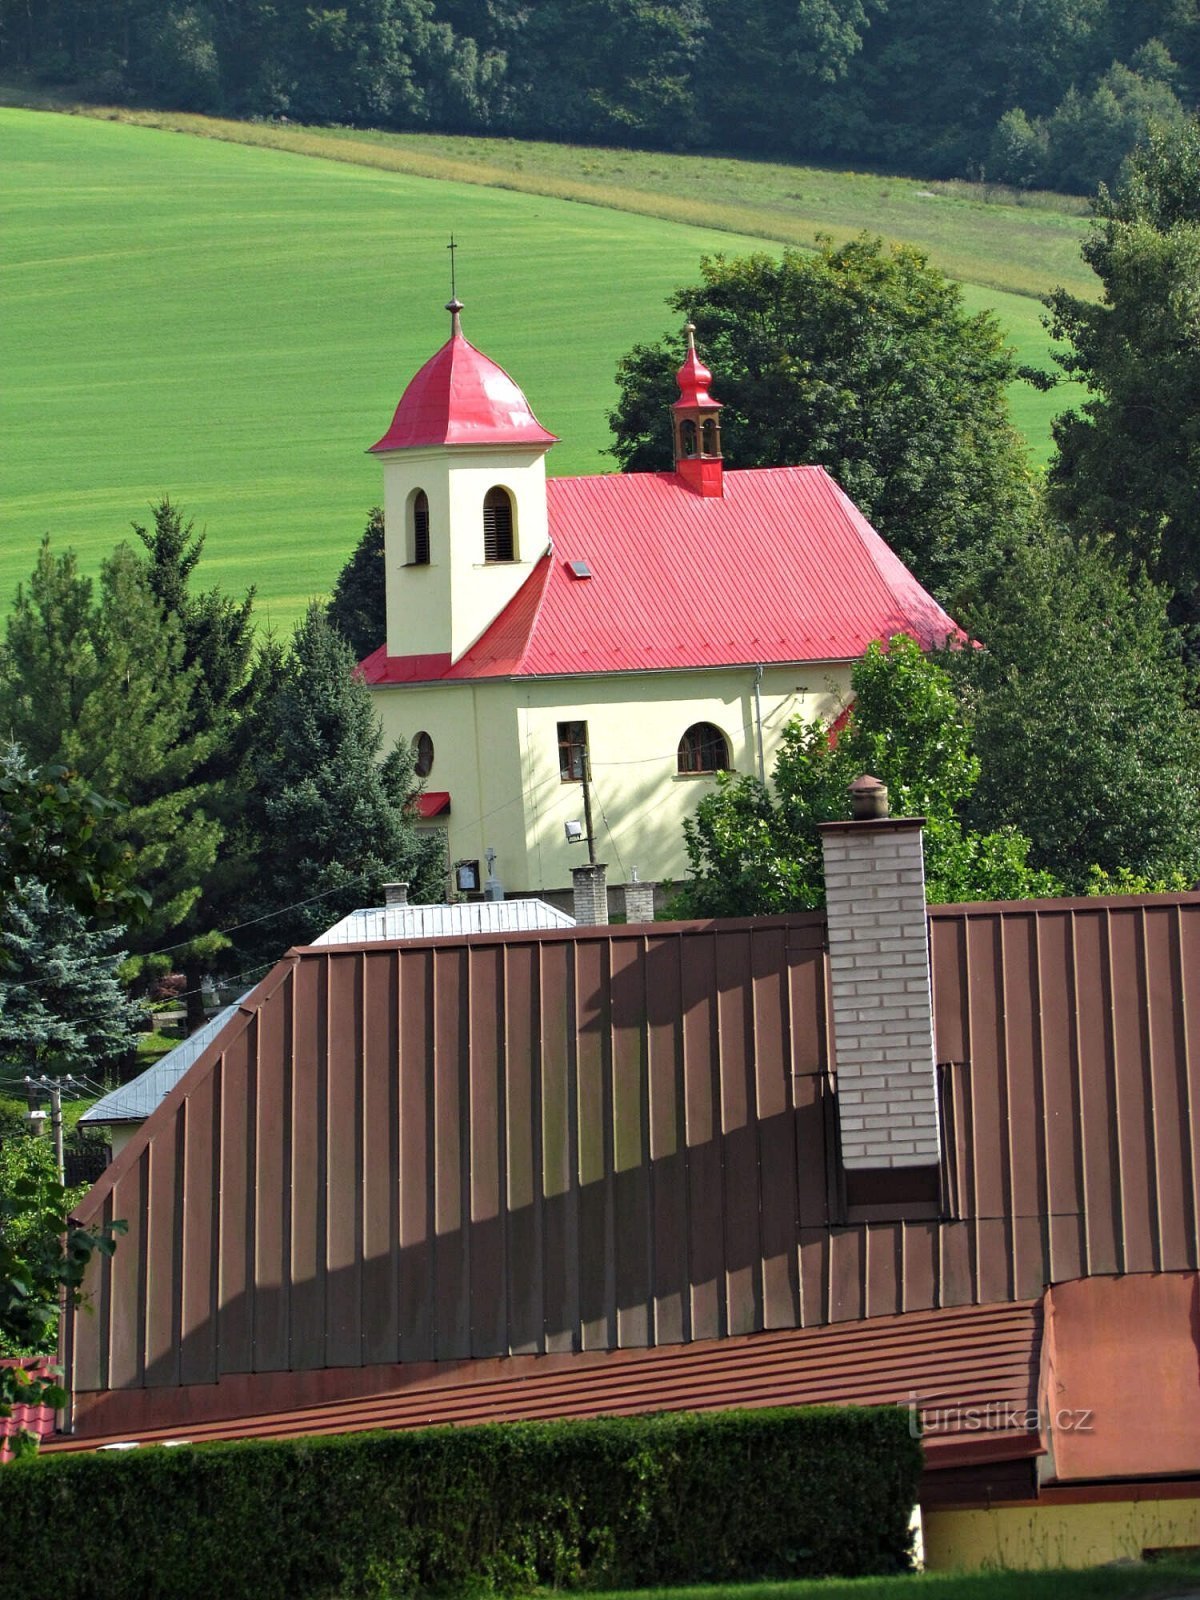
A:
(754, 850)
(1083, 720)
(1128, 461)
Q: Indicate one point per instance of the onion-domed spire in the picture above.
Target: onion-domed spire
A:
(460, 396)
(694, 377)
(696, 425)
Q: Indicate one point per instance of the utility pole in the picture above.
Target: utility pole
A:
(43, 1087)
(587, 807)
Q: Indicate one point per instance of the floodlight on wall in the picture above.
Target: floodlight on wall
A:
(574, 832)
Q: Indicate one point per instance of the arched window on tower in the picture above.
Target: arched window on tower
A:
(418, 529)
(711, 445)
(498, 525)
(703, 749)
(687, 438)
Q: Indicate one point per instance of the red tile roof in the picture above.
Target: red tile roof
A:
(460, 396)
(781, 568)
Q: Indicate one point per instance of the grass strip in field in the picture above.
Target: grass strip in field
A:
(979, 233)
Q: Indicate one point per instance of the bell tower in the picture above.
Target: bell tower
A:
(464, 499)
(696, 426)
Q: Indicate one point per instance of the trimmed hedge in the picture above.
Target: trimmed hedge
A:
(618, 1502)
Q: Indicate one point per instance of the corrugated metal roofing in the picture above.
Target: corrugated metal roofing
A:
(438, 922)
(781, 568)
(134, 1101)
(588, 1140)
(460, 396)
(970, 1373)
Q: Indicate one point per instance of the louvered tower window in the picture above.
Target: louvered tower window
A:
(497, 525)
(420, 529)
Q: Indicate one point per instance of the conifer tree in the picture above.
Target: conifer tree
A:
(63, 1007)
(224, 677)
(358, 606)
(331, 822)
(98, 681)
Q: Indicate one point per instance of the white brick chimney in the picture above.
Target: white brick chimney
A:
(882, 1006)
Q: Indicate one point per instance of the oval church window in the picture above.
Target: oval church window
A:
(423, 755)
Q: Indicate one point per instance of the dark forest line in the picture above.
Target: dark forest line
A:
(1035, 93)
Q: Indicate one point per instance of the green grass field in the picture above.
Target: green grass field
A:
(232, 324)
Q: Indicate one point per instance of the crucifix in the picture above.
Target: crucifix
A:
(452, 247)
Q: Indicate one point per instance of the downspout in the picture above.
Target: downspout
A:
(762, 760)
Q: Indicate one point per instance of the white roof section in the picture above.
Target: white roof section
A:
(436, 922)
(134, 1101)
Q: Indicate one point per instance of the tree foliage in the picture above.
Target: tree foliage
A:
(63, 1006)
(754, 850)
(358, 606)
(98, 682)
(43, 1257)
(1128, 461)
(331, 823)
(860, 359)
(53, 828)
(1083, 719)
(1054, 92)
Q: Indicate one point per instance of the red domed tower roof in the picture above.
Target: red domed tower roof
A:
(461, 397)
(694, 378)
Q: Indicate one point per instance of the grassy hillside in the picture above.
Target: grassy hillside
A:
(233, 324)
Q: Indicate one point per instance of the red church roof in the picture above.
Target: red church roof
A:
(781, 568)
(460, 396)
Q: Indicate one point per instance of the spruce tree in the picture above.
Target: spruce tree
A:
(224, 677)
(330, 822)
(63, 1007)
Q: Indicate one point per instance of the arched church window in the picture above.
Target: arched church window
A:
(687, 438)
(418, 529)
(422, 755)
(498, 525)
(703, 748)
(711, 445)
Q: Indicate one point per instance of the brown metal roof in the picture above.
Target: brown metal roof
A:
(972, 1372)
(595, 1140)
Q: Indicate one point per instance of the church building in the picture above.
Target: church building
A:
(643, 630)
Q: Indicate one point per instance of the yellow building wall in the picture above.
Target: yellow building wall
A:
(476, 760)
(1050, 1535)
(496, 752)
(443, 607)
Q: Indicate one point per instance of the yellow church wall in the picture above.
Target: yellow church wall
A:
(476, 761)
(496, 745)
(1058, 1535)
(443, 607)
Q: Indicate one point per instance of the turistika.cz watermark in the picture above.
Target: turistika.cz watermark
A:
(999, 1416)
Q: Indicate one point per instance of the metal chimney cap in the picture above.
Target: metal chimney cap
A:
(395, 894)
(868, 799)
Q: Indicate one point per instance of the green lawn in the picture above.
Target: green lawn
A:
(233, 324)
(1156, 1579)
